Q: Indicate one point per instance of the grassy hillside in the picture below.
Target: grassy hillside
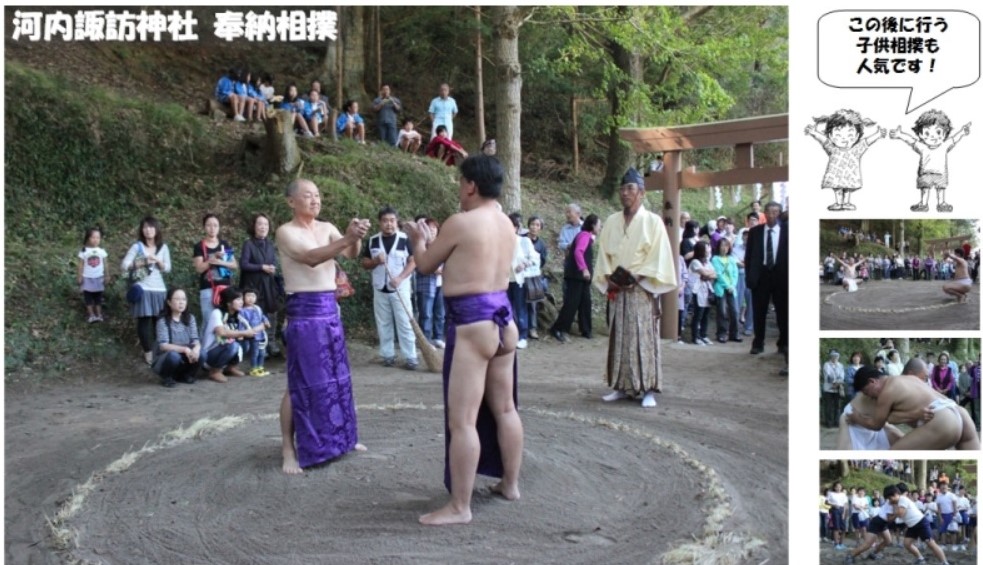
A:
(109, 157)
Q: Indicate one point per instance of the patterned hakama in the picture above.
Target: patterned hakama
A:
(469, 309)
(319, 378)
(634, 353)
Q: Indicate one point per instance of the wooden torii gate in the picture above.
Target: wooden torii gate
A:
(946, 240)
(740, 134)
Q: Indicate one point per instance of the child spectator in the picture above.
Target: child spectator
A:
(315, 112)
(427, 297)
(258, 110)
(296, 106)
(408, 139)
(266, 90)
(446, 149)
(241, 88)
(255, 347)
(350, 124)
(226, 94)
(92, 273)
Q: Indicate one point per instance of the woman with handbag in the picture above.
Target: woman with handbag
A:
(578, 271)
(146, 262)
(214, 261)
(259, 271)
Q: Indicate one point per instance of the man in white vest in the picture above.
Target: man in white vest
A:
(390, 258)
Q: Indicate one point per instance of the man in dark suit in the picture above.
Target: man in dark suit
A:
(766, 267)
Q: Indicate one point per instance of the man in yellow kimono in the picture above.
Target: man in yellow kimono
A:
(634, 266)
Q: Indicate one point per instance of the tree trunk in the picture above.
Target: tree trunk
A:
(354, 53)
(921, 473)
(282, 153)
(508, 101)
(479, 76)
(619, 153)
(844, 468)
(904, 347)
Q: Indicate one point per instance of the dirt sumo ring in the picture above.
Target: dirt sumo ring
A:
(213, 492)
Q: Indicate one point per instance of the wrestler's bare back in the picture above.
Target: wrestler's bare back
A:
(961, 270)
(482, 243)
(293, 240)
(908, 397)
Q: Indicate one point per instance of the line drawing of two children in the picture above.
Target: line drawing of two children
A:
(842, 138)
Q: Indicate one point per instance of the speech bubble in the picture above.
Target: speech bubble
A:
(929, 52)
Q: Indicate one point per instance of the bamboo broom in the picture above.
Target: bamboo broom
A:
(433, 358)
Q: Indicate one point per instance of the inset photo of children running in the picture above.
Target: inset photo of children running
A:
(899, 274)
(899, 393)
(897, 511)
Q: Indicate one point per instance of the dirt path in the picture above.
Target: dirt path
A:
(599, 480)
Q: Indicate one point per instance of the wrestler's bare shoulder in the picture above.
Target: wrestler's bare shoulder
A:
(478, 223)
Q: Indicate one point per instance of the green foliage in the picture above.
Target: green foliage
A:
(917, 233)
(724, 63)
(970, 348)
(868, 479)
(96, 158)
(93, 153)
(873, 481)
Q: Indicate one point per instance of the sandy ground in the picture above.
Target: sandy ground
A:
(600, 480)
(894, 305)
(892, 555)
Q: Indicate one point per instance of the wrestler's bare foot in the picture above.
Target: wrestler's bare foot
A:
(510, 493)
(446, 516)
(290, 465)
(234, 372)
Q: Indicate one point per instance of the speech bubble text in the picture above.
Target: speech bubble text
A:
(929, 52)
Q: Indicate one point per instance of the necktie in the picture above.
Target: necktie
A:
(769, 251)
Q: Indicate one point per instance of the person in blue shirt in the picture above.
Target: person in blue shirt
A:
(291, 101)
(442, 111)
(226, 94)
(350, 124)
(315, 112)
(241, 88)
(257, 99)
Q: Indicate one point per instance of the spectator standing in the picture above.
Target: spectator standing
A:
(571, 228)
(535, 224)
(390, 258)
(442, 111)
(146, 261)
(258, 265)
(834, 376)
(578, 270)
(525, 264)
(92, 273)
(387, 106)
